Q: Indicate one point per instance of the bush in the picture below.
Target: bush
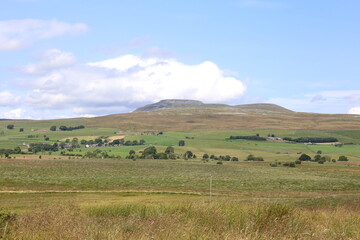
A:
(292, 164)
(343, 159)
(289, 164)
(304, 157)
(253, 158)
(219, 162)
(297, 162)
(317, 158)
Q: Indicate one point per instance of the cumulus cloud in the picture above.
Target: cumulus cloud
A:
(8, 99)
(15, 34)
(48, 61)
(354, 110)
(126, 82)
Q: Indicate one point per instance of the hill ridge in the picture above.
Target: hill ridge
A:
(185, 103)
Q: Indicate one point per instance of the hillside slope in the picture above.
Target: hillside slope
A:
(210, 118)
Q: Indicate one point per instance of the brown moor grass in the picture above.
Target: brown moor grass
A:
(187, 221)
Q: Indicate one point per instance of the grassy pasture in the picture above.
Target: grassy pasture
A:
(176, 175)
(125, 199)
(168, 199)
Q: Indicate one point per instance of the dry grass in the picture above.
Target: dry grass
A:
(187, 221)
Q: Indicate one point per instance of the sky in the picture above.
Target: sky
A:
(85, 58)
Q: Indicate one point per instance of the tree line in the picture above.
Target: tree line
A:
(253, 138)
(311, 139)
(65, 128)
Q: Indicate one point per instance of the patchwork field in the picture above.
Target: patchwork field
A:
(116, 197)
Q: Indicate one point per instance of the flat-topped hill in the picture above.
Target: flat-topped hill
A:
(184, 103)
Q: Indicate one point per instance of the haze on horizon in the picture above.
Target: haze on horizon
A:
(66, 58)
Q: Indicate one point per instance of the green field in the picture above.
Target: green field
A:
(144, 198)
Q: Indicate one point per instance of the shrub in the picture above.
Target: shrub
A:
(343, 159)
(219, 162)
(289, 164)
(304, 157)
(253, 158)
(317, 158)
(297, 162)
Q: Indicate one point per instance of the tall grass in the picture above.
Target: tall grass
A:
(223, 220)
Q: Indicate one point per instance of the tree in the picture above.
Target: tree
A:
(169, 150)
(116, 142)
(319, 152)
(150, 151)
(63, 128)
(343, 159)
(10, 126)
(17, 150)
(53, 128)
(234, 159)
(188, 155)
(304, 157)
(205, 156)
(250, 157)
(131, 152)
(181, 143)
(317, 158)
(21, 130)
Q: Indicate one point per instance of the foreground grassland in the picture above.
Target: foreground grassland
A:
(169, 199)
(192, 220)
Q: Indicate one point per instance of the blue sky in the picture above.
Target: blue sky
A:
(64, 58)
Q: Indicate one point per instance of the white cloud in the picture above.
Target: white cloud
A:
(50, 60)
(17, 113)
(129, 81)
(354, 110)
(8, 99)
(15, 34)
